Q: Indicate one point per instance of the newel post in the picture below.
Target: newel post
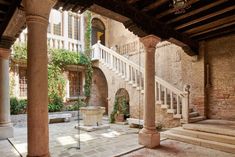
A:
(185, 104)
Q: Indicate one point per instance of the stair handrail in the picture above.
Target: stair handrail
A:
(184, 94)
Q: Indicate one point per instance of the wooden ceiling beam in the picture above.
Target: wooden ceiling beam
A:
(149, 24)
(132, 1)
(206, 7)
(154, 5)
(211, 25)
(208, 16)
(217, 34)
(171, 10)
(213, 29)
(5, 2)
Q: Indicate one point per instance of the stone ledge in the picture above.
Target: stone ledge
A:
(93, 128)
(56, 118)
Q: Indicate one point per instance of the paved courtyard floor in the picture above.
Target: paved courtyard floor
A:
(172, 148)
(116, 141)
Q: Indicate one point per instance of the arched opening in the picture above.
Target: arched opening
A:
(98, 31)
(123, 99)
(99, 90)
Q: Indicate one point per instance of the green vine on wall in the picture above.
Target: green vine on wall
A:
(58, 59)
(88, 33)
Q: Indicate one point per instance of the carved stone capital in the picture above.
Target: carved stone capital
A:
(6, 42)
(38, 8)
(5, 53)
(150, 41)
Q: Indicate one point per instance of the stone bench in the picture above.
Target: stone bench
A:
(133, 122)
(61, 117)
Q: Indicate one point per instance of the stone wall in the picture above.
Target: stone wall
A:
(221, 92)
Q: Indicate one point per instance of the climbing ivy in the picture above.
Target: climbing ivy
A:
(20, 51)
(88, 33)
(58, 59)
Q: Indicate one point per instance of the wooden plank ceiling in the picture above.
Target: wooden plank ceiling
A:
(203, 20)
(7, 8)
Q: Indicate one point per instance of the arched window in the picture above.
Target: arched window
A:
(98, 31)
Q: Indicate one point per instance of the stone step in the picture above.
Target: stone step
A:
(196, 119)
(230, 148)
(211, 128)
(204, 135)
(193, 114)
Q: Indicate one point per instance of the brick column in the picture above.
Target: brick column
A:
(149, 136)
(37, 15)
(6, 129)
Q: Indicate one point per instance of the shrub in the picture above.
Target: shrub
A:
(79, 103)
(18, 106)
(56, 104)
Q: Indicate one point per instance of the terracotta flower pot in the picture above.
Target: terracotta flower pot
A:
(119, 117)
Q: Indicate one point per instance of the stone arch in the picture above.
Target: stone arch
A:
(98, 31)
(99, 90)
(122, 94)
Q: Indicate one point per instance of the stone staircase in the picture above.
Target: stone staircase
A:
(170, 98)
(206, 134)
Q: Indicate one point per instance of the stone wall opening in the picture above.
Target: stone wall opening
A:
(122, 97)
(98, 31)
(99, 90)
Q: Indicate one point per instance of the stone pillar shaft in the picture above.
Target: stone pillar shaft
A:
(37, 15)
(6, 129)
(149, 136)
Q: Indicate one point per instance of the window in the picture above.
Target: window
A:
(23, 82)
(75, 83)
(55, 23)
(76, 28)
(70, 27)
(73, 27)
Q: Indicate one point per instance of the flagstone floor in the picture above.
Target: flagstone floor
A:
(116, 141)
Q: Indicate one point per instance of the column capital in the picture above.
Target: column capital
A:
(5, 53)
(38, 8)
(150, 41)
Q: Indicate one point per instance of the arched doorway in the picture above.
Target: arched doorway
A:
(98, 31)
(99, 90)
(123, 99)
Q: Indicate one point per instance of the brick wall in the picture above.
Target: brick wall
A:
(221, 93)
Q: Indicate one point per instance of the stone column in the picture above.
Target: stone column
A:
(37, 15)
(6, 129)
(149, 136)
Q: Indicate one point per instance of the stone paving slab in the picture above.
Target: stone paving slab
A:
(171, 148)
(100, 143)
(6, 149)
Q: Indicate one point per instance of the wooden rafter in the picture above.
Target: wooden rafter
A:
(213, 29)
(132, 1)
(211, 25)
(206, 17)
(206, 7)
(154, 5)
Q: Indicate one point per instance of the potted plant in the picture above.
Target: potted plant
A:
(120, 112)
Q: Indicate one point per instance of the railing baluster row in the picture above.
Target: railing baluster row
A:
(165, 94)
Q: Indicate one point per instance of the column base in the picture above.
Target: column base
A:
(47, 155)
(6, 132)
(149, 139)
